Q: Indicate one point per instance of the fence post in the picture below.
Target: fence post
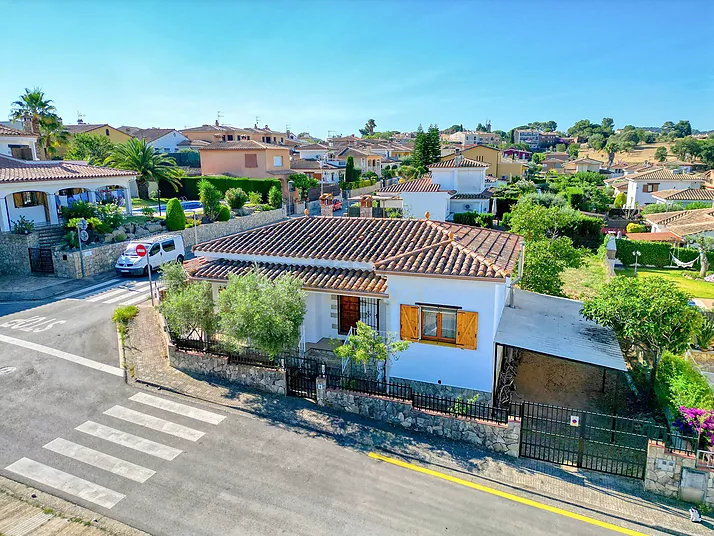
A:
(320, 387)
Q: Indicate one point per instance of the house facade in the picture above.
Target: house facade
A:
(217, 132)
(37, 190)
(498, 166)
(642, 185)
(583, 164)
(115, 135)
(18, 143)
(528, 136)
(473, 137)
(439, 285)
(684, 197)
(324, 171)
(164, 140)
(245, 159)
(683, 223)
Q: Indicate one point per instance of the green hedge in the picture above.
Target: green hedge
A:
(189, 186)
(584, 231)
(656, 254)
(475, 219)
(679, 383)
(357, 184)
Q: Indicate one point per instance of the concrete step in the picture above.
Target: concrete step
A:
(50, 235)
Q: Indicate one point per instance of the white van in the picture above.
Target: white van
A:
(159, 250)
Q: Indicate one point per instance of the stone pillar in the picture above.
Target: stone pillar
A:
(365, 206)
(4, 219)
(320, 385)
(52, 208)
(611, 247)
(127, 199)
(326, 205)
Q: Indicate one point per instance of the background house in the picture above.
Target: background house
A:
(683, 223)
(18, 143)
(115, 135)
(165, 140)
(498, 166)
(642, 185)
(684, 197)
(245, 159)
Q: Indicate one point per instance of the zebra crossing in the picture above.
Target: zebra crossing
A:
(116, 291)
(85, 463)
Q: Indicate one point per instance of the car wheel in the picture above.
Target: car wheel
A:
(179, 259)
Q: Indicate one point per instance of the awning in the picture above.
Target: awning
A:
(554, 326)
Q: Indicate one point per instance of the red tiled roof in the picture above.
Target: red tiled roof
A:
(244, 145)
(662, 174)
(685, 194)
(418, 185)
(400, 245)
(9, 131)
(84, 127)
(13, 170)
(313, 277)
(459, 162)
(664, 236)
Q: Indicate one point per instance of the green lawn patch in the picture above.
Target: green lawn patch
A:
(587, 280)
(697, 288)
(143, 203)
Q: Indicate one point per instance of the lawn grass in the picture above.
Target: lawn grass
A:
(143, 203)
(696, 288)
(587, 280)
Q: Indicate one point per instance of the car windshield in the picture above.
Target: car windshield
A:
(130, 250)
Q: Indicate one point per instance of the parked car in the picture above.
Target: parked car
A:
(336, 205)
(160, 249)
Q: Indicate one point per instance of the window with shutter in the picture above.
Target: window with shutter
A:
(409, 322)
(251, 160)
(466, 329)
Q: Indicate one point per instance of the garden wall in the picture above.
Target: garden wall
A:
(14, 255)
(261, 378)
(103, 258)
(499, 438)
(677, 476)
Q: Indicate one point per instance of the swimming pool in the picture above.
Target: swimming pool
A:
(190, 204)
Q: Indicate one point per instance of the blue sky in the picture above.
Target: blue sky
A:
(320, 66)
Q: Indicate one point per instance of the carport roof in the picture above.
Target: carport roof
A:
(554, 326)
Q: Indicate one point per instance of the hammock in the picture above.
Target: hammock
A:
(681, 264)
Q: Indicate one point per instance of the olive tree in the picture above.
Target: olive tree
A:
(366, 345)
(265, 313)
(188, 308)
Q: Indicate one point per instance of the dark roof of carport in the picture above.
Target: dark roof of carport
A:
(554, 327)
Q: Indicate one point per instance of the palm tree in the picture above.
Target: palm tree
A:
(52, 135)
(34, 107)
(150, 165)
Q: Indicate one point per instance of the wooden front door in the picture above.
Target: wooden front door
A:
(349, 313)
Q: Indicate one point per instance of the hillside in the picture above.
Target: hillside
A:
(637, 156)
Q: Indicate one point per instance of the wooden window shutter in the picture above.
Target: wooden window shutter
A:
(466, 329)
(409, 322)
(17, 198)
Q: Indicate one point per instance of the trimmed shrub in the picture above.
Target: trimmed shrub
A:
(697, 205)
(175, 216)
(275, 197)
(224, 213)
(575, 196)
(236, 198)
(679, 383)
(636, 228)
(474, 218)
(255, 198)
(189, 186)
(657, 254)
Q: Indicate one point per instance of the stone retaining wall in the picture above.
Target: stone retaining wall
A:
(677, 476)
(209, 231)
(97, 260)
(260, 378)
(438, 389)
(14, 255)
(495, 437)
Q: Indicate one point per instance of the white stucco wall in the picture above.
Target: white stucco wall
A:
(168, 143)
(6, 141)
(311, 154)
(416, 204)
(463, 180)
(477, 205)
(636, 197)
(472, 369)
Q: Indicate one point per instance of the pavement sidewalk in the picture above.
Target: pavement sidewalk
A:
(588, 493)
(42, 287)
(27, 511)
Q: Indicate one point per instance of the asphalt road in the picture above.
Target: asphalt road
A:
(75, 427)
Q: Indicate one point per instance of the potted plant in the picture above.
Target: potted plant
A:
(23, 226)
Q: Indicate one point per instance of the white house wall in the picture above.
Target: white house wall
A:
(168, 143)
(5, 143)
(311, 154)
(463, 180)
(416, 204)
(472, 369)
(636, 197)
(468, 205)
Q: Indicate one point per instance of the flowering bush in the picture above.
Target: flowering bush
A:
(697, 421)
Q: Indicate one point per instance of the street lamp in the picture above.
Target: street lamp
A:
(82, 236)
(637, 258)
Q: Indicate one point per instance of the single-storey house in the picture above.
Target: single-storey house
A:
(439, 285)
(684, 196)
(582, 165)
(642, 185)
(683, 222)
(37, 189)
(104, 130)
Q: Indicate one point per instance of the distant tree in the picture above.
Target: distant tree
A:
(433, 144)
(304, 135)
(620, 200)
(608, 125)
(573, 150)
(52, 135)
(612, 147)
(550, 126)
(560, 147)
(686, 148)
(481, 127)
(94, 149)
(537, 158)
(149, 164)
(682, 129)
(704, 245)
(597, 141)
(34, 107)
(420, 153)
(545, 261)
(368, 129)
(706, 152)
(303, 182)
(667, 128)
(502, 134)
(453, 128)
(661, 154)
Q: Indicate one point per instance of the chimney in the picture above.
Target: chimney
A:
(80, 121)
(365, 206)
(326, 205)
(27, 126)
(216, 122)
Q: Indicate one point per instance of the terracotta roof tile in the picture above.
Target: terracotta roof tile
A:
(151, 134)
(13, 170)
(459, 162)
(685, 194)
(244, 145)
(397, 245)
(662, 174)
(84, 127)
(313, 277)
(9, 131)
(685, 222)
(417, 185)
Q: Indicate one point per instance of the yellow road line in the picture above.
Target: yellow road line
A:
(505, 495)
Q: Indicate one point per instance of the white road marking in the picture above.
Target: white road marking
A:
(26, 526)
(44, 474)
(137, 300)
(32, 324)
(116, 371)
(90, 290)
(154, 423)
(98, 459)
(175, 407)
(129, 440)
(129, 293)
(104, 295)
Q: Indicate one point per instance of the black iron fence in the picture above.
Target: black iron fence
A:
(236, 353)
(390, 389)
(460, 407)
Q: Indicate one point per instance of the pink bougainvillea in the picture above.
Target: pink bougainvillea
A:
(699, 421)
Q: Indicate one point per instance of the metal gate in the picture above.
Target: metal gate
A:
(41, 260)
(595, 441)
(300, 375)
